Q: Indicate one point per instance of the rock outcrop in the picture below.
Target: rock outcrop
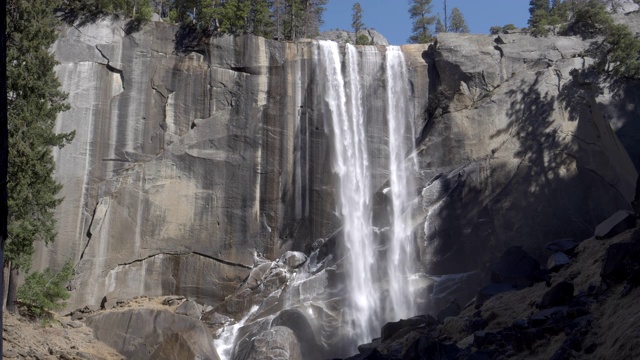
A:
(153, 334)
(197, 164)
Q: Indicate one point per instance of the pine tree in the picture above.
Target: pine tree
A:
(357, 24)
(33, 103)
(261, 18)
(419, 12)
(539, 11)
(457, 24)
(440, 27)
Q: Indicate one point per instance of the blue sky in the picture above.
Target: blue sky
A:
(391, 17)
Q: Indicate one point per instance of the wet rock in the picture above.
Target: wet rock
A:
(559, 294)
(391, 328)
(293, 259)
(366, 348)
(566, 246)
(277, 343)
(557, 261)
(214, 318)
(189, 308)
(516, 267)
(616, 224)
(453, 309)
(257, 274)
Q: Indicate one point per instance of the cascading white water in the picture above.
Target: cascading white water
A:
(343, 101)
(400, 253)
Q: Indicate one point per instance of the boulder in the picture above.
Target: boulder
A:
(617, 223)
(141, 333)
(566, 246)
(559, 294)
(293, 259)
(557, 261)
(516, 267)
(622, 263)
(189, 308)
(277, 343)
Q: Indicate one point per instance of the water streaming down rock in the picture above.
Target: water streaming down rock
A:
(401, 259)
(343, 106)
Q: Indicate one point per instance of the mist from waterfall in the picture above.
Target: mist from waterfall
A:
(402, 167)
(340, 84)
(343, 101)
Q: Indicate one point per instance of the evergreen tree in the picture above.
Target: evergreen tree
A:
(419, 12)
(261, 18)
(33, 103)
(234, 16)
(356, 19)
(440, 28)
(457, 24)
(357, 24)
(539, 11)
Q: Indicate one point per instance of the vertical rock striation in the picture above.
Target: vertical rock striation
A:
(194, 160)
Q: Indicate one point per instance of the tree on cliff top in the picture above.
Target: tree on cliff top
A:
(457, 23)
(33, 103)
(420, 13)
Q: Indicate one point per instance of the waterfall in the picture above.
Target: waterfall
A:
(401, 253)
(339, 83)
(343, 104)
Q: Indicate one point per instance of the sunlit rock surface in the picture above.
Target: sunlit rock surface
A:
(197, 165)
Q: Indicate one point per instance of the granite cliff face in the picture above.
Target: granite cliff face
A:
(194, 163)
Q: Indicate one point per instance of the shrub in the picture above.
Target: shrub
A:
(43, 292)
(362, 39)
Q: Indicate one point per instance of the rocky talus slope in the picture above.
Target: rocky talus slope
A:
(582, 305)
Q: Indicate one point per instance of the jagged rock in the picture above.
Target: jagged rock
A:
(566, 246)
(557, 261)
(293, 259)
(213, 318)
(146, 333)
(277, 343)
(391, 328)
(516, 267)
(616, 224)
(189, 308)
(559, 294)
(172, 300)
